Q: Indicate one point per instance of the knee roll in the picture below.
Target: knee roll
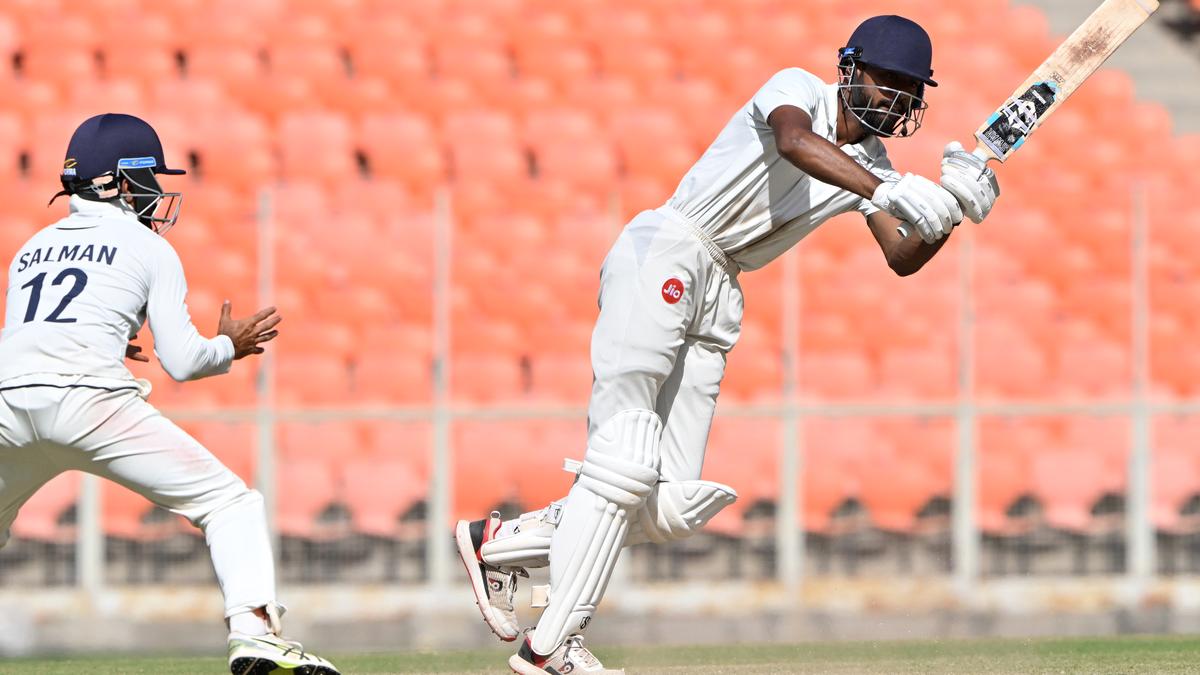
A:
(621, 464)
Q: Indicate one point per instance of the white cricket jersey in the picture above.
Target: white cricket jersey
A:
(79, 289)
(755, 204)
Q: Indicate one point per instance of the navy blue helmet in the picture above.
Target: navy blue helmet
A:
(897, 45)
(116, 156)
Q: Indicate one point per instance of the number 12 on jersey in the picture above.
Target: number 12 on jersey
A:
(35, 284)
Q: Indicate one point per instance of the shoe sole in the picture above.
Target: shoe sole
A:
(249, 665)
(466, 553)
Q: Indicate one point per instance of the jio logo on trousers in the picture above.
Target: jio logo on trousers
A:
(672, 290)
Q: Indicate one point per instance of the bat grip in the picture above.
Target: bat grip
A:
(982, 153)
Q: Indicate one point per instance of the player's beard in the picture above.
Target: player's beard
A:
(877, 121)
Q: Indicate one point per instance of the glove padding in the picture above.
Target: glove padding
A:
(967, 176)
(920, 201)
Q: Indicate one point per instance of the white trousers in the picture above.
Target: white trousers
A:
(669, 313)
(670, 310)
(114, 434)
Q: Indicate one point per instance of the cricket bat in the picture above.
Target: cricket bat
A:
(1006, 130)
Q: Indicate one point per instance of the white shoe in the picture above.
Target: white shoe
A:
(494, 587)
(571, 657)
(262, 654)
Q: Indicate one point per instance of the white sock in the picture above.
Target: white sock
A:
(248, 623)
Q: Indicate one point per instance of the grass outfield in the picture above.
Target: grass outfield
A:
(1093, 656)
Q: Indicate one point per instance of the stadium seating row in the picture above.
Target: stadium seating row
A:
(546, 124)
(379, 471)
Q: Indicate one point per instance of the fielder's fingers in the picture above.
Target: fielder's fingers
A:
(264, 326)
(262, 314)
(257, 350)
(226, 309)
(266, 337)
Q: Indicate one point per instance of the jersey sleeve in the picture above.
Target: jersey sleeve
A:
(791, 86)
(183, 352)
(881, 166)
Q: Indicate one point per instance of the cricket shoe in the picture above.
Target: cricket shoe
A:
(494, 587)
(263, 654)
(570, 657)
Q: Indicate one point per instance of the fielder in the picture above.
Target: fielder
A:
(798, 153)
(78, 292)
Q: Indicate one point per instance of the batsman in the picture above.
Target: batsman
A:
(800, 152)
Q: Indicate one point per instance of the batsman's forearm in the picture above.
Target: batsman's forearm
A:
(827, 163)
(911, 253)
(905, 253)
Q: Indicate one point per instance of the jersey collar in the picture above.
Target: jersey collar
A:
(110, 209)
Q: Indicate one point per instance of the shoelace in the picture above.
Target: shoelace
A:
(580, 652)
(513, 573)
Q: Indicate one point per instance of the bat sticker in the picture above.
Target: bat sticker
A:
(1008, 127)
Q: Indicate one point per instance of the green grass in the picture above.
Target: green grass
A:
(1093, 656)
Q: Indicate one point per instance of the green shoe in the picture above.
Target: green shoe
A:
(262, 654)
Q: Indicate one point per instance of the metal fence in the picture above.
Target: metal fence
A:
(773, 536)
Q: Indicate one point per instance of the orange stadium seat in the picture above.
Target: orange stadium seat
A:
(589, 165)
(321, 65)
(406, 61)
(123, 515)
(486, 454)
(837, 374)
(699, 104)
(560, 378)
(396, 439)
(1175, 469)
(545, 128)
(530, 25)
(1014, 366)
(316, 379)
(1068, 484)
(486, 378)
(392, 377)
(920, 373)
(644, 138)
(12, 138)
(314, 485)
(894, 490)
(234, 444)
(402, 147)
(603, 97)
(231, 67)
(489, 70)
(1094, 368)
(559, 64)
(327, 153)
(539, 477)
(1002, 477)
(326, 440)
(378, 492)
(743, 453)
(644, 62)
(41, 517)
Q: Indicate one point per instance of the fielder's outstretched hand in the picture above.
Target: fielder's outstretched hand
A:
(248, 335)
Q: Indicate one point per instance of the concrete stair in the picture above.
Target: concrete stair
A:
(1164, 67)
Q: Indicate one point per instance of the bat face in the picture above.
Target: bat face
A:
(1060, 75)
